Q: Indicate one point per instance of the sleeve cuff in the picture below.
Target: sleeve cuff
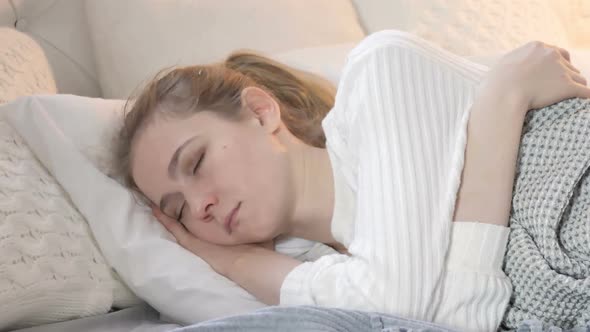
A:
(477, 247)
(294, 288)
(311, 283)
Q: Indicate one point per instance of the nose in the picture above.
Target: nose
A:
(201, 205)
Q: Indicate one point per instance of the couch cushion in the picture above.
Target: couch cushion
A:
(24, 68)
(469, 27)
(134, 39)
(61, 29)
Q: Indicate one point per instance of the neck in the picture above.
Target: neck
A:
(314, 195)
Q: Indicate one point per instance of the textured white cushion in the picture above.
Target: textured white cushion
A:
(23, 66)
(575, 15)
(50, 266)
(469, 27)
(135, 38)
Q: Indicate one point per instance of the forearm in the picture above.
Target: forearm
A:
(493, 138)
(259, 271)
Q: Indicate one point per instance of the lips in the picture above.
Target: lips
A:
(230, 220)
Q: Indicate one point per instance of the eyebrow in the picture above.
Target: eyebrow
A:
(172, 170)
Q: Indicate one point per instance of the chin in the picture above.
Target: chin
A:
(267, 232)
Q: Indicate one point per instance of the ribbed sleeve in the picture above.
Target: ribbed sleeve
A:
(396, 139)
(476, 290)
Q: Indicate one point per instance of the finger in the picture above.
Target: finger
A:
(578, 78)
(570, 66)
(564, 53)
(173, 226)
(582, 91)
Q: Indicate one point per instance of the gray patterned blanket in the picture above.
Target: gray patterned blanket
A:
(548, 254)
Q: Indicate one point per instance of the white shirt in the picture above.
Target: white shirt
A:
(396, 139)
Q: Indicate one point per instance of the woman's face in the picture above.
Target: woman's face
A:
(226, 181)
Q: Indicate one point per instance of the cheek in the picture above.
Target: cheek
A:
(245, 157)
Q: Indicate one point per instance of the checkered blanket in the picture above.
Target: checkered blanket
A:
(548, 254)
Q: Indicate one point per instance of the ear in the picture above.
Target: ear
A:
(262, 106)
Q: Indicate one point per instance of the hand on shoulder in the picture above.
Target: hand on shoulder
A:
(536, 75)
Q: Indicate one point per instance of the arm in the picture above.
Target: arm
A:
(247, 267)
(493, 136)
(530, 77)
(256, 268)
(475, 290)
(485, 194)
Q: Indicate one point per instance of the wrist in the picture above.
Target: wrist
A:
(508, 100)
(220, 258)
(244, 256)
(235, 257)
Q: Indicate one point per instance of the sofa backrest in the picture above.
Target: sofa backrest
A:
(465, 27)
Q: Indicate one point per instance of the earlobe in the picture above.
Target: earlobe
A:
(263, 107)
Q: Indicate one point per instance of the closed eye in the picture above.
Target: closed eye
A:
(198, 163)
(181, 212)
(194, 171)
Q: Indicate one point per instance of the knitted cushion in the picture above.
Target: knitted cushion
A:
(23, 67)
(50, 267)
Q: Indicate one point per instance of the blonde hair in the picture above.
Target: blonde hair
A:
(304, 99)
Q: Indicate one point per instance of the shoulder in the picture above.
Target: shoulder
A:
(398, 46)
(375, 64)
(386, 45)
(394, 44)
(363, 68)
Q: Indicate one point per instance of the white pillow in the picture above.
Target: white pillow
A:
(71, 135)
(326, 61)
(468, 27)
(135, 38)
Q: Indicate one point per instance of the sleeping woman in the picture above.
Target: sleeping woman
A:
(411, 172)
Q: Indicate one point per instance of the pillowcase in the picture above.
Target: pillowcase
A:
(134, 39)
(326, 61)
(50, 267)
(73, 136)
(467, 27)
